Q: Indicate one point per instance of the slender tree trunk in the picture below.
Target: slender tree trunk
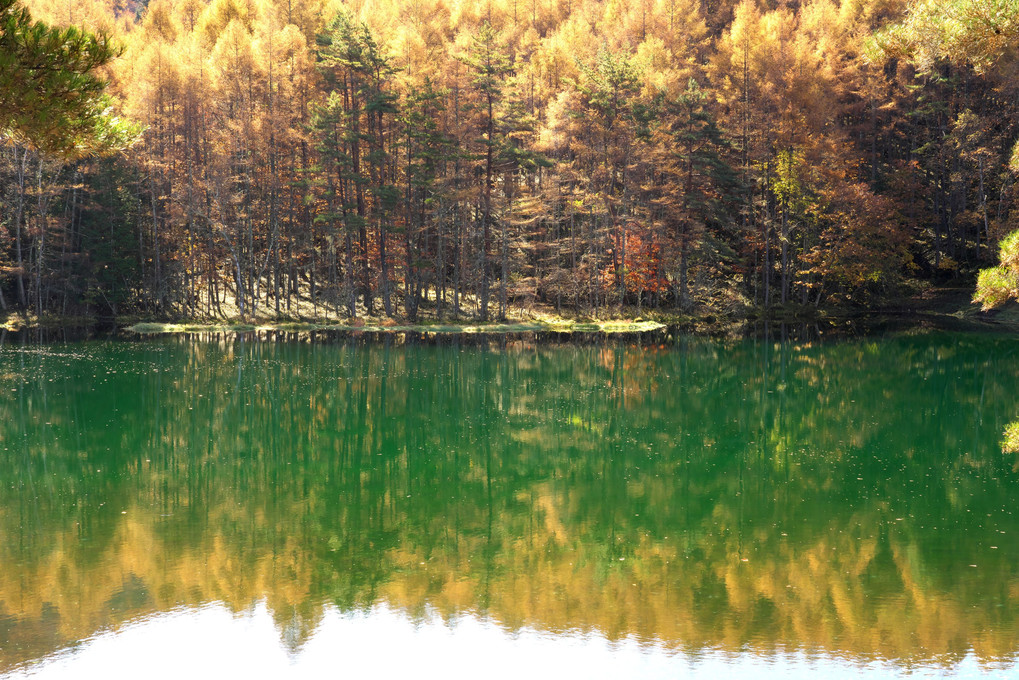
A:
(239, 282)
(486, 214)
(983, 207)
(41, 242)
(873, 144)
(684, 288)
(348, 274)
(410, 307)
(504, 253)
(457, 266)
(18, 219)
(155, 242)
(785, 254)
(362, 230)
(384, 269)
(383, 258)
(766, 239)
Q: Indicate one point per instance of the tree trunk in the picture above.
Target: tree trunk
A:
(983, 208)
(18, 219)
(785, 254)
(504, 253)
(684, 288)
(41, 245)
(487, 213)
(155, 242)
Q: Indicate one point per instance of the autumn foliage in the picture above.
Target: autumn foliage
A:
(328, 158)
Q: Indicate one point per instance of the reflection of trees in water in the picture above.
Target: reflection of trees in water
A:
(755, 493)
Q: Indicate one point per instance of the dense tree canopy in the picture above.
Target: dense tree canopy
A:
(50, 94)
(463, 159)
(981, 34)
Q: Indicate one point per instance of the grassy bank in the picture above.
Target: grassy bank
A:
(556, 326)
(14, 321)
(927, 307)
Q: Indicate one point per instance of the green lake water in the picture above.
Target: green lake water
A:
(335, 508)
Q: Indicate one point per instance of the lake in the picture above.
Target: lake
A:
(497, 508)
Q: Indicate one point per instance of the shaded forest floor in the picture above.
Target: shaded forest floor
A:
(952, 305)
(517, 320)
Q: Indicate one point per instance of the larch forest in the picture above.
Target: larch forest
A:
(468, 158)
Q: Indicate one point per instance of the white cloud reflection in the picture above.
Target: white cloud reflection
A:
(212, 642)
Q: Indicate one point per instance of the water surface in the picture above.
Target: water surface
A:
(184, 505)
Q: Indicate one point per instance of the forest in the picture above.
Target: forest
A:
(298, 159)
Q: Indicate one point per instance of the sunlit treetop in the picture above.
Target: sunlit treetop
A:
(982, 33)
(51, 97)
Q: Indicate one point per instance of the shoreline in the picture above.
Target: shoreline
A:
(607, 327)
(945, 308)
